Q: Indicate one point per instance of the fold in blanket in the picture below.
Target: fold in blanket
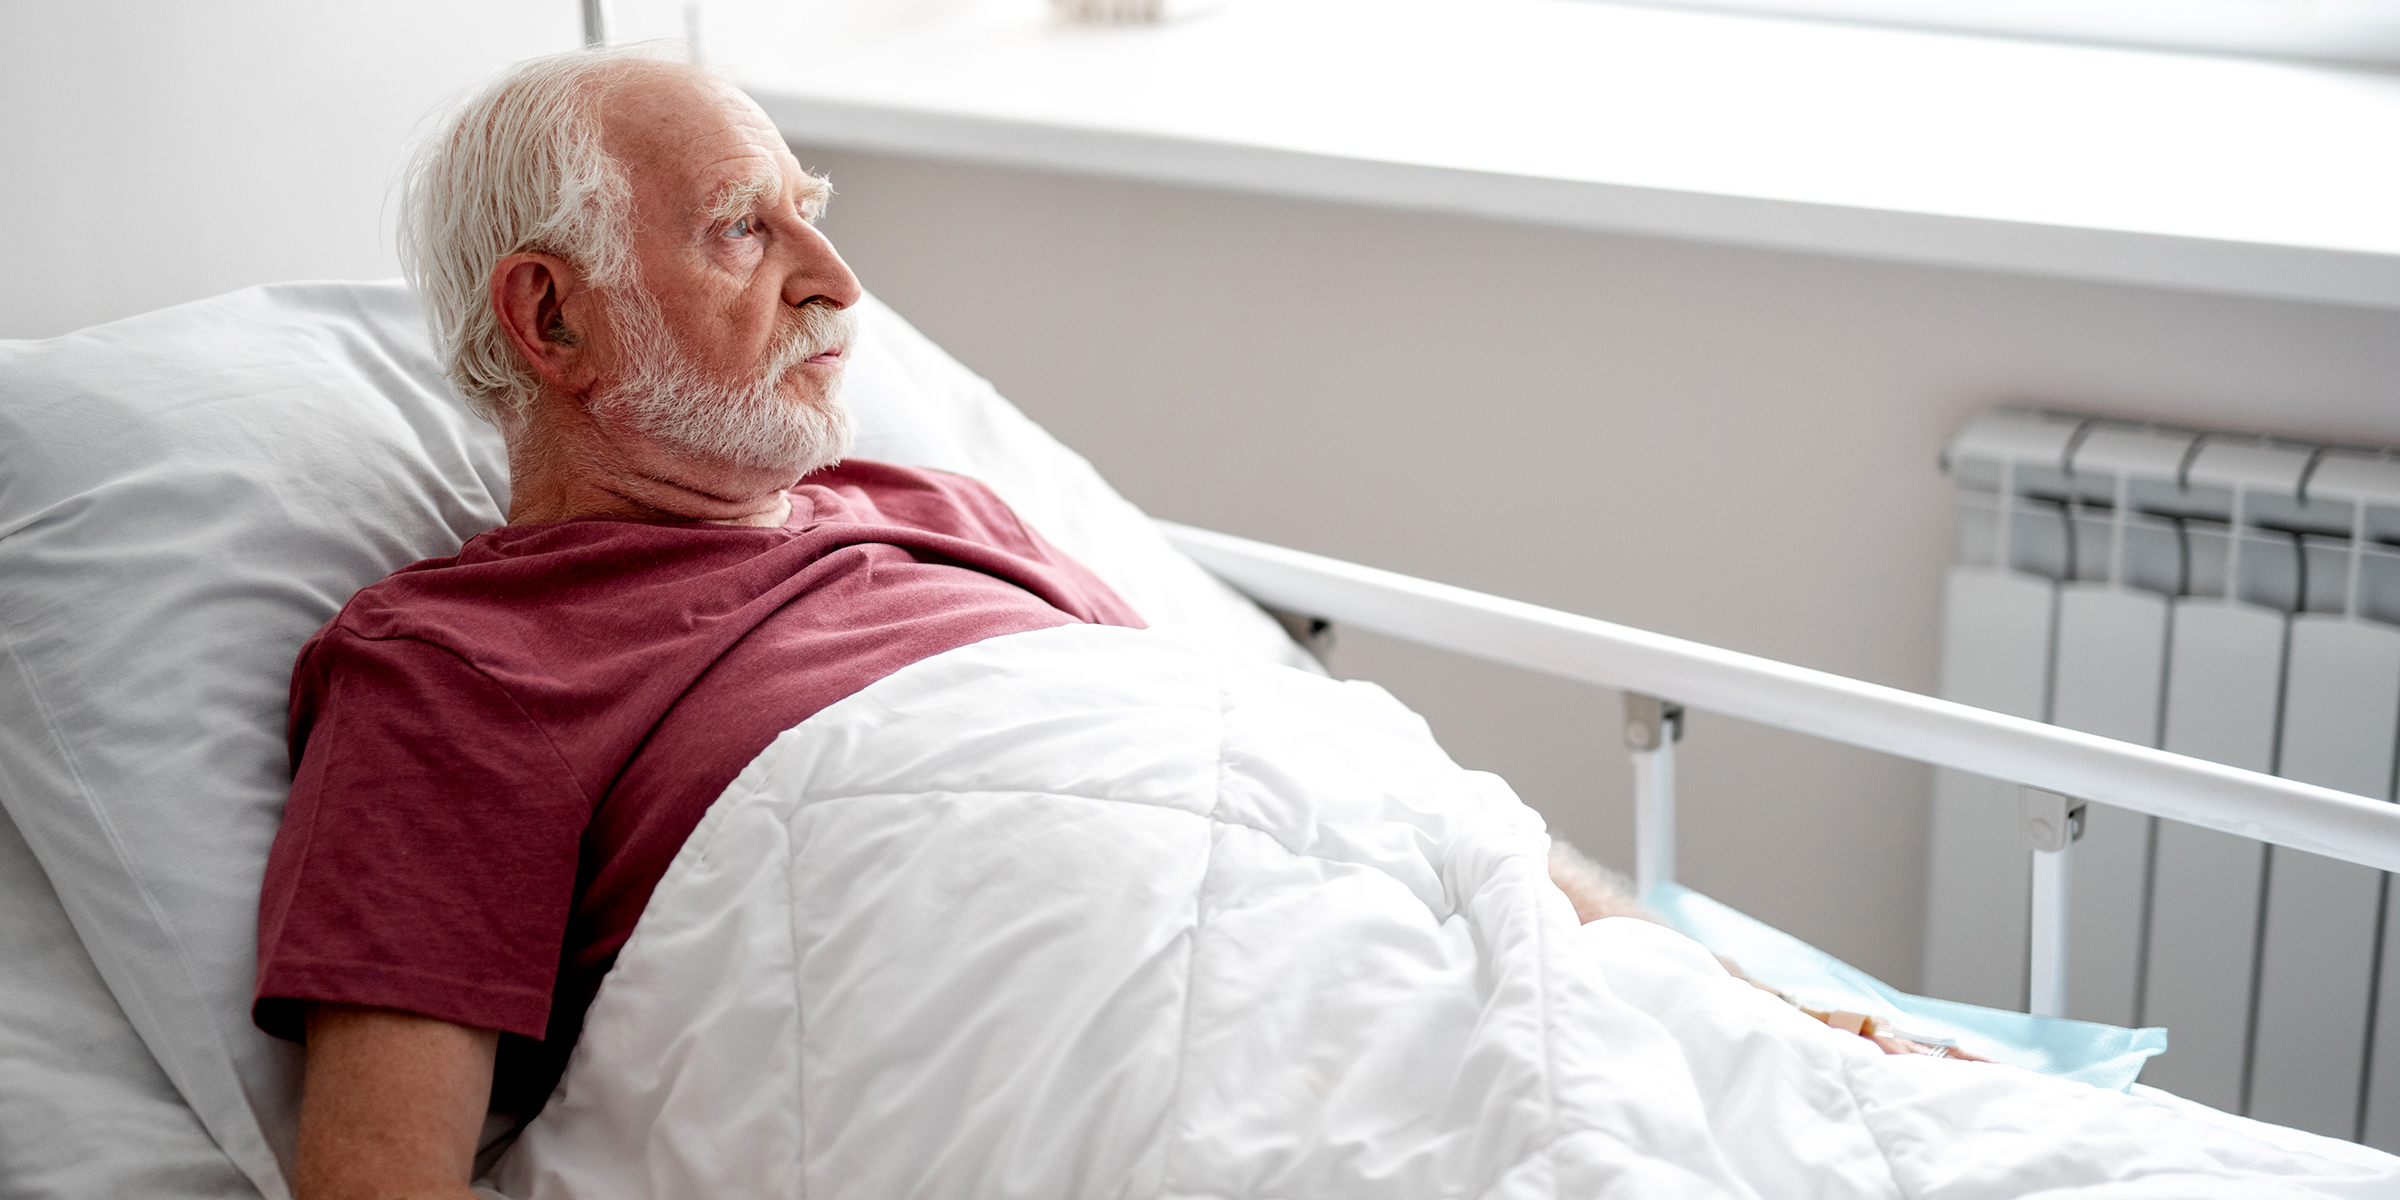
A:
(1095, 912)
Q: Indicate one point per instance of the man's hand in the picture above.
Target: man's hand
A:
(1895, 1044)
(391, 1105)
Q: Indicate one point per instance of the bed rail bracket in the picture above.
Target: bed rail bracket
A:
(1314, 633)
(1651, 722)
(2051, 822)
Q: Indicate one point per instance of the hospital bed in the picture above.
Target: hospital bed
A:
(186, 495)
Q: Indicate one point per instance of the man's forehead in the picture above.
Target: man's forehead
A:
(693, 134)
(648, 99)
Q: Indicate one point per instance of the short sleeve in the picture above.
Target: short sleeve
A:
(428, 854)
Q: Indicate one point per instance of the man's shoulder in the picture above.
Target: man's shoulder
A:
(924, 498)
(435, 599)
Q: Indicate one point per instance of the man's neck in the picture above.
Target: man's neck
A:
(562, 465)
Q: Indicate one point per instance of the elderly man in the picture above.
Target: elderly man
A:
(498, 754)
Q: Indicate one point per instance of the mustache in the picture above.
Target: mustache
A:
(745, 419)
(815, 328)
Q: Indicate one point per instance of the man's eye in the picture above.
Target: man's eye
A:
(739, 229)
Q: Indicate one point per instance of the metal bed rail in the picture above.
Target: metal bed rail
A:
(2060, 769)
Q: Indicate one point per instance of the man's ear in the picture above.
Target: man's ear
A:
(545, 309)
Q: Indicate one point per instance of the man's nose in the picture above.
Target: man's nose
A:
(819, 274)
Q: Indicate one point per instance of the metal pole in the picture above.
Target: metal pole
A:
(2051, 823)
(1652, 727)
(2046, 972)
(595, 24)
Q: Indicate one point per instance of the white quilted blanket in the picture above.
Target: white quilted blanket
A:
(1094, 912)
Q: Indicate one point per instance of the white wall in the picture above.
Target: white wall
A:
(1732, 445)
(160, 152)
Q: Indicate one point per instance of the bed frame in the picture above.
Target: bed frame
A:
(2058, 769)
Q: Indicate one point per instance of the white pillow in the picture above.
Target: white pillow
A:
(84, 1109)
(187, 495)
(184, 497)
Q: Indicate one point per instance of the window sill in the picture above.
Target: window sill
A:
(2250, 178)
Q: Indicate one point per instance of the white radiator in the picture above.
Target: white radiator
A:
(2224, 596)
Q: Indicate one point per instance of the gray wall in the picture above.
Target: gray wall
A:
(1725, 444)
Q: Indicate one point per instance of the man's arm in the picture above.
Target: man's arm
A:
(391, 1105)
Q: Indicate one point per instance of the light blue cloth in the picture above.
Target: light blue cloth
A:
(2100, 1055)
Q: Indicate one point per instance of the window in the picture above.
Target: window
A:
(2362, 31)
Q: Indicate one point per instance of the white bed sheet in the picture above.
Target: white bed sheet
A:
(1098, 912)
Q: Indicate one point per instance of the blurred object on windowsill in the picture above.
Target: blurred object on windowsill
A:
(1128, 12)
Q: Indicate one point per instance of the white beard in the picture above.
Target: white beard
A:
(750, 425)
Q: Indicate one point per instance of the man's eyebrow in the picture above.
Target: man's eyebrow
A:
(815, 190)
(741, 197)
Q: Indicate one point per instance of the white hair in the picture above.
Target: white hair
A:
(518, 167)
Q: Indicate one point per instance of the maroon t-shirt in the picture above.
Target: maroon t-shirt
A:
(497, 755)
